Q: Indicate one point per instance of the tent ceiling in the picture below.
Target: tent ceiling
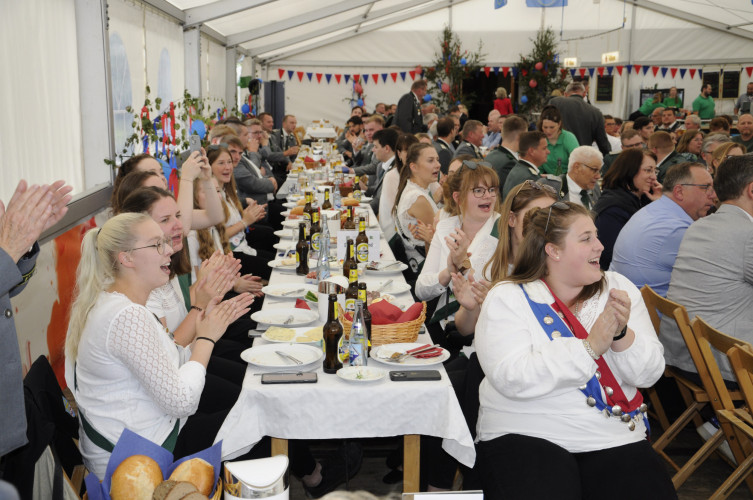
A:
(275, 29)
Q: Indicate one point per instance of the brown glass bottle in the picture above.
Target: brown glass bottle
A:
(332, 332)
(357, 194)
(366, 313)
(308, 208)
(327, 205)
(350, 259)
(302, 252)
(350, 223)
(314, 233)
(362, 242)
(351, 294)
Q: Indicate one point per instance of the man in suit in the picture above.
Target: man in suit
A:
(669, 121)
(582, 119)
(363, 161)
(505, 156)
(493, 130)
(30, 212)
(533, 152)
(443, 143)
(408, 115)
(580, 184)
(473, 136)
(385, 143)
(713, 272)
(283, 140)
(647, 245)
(662, 146)
(276, 158)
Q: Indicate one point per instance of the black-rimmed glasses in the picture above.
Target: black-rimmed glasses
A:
(595, 170)
(160, 246)
(559, 205)
(480, 192)
(704, 187)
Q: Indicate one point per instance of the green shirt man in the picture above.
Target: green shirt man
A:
(703, 105)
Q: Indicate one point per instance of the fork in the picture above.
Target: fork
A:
(398, 357)
(292, 292)
(289, 320)
(384, 285)
(289, 357)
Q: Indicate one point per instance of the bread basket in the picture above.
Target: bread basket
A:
(388, 334)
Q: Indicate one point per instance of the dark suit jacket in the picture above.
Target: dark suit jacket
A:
(278, 144)
(408, 115)
(250, 184)
(584, 120)
(502, 161)
(445, 153)
(466, 148)
(521, 172)
(674, 158)
(559, 182)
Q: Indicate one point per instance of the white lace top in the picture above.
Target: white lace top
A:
(238, 242)
(411, 193)
(129, 373)
(167, 302)
(193, 248)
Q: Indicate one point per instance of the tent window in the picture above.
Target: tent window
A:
(121, 95)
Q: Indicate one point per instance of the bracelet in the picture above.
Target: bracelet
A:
(206, 338)
(620, 335)
(588, 347)
(197, 308)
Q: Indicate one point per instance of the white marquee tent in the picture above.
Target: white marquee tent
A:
(72, 66)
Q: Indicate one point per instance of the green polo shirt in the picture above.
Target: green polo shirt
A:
(669, 102)
(556, 162)
(649, 106)
(705, 107)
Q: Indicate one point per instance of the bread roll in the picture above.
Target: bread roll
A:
(350, 202)
(136, 478)
(195, 496)
(301, 202)
(198, 472)
(296, 211)
(177, 491)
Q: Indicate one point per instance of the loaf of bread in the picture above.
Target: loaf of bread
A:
(176, 490)
(135, 478)
(198, 472)
(296, 211)
(301, 202)
(350, 202)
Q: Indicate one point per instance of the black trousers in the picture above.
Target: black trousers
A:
(523, 467)
(255, 264)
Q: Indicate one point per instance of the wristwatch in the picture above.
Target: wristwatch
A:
(465, 266)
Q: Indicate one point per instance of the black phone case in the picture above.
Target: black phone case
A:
(415, 375)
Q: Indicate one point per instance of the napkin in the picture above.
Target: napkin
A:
(431, 353)
(413, 312)
(301, 304)
(384, 313)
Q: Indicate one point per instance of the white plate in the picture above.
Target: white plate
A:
(285, 233)
(277, 264)
(293, 223)
(285, 213)
(285, 246)
(392, 269)
(295, 197)
(296, 338)
(366, 199)
(382, 352)
(290, 204)
(361, 374)
(278, 290)
(266, 357)
(393, 288)
(278, 316)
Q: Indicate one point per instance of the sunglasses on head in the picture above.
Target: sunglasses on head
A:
(538, 187)
(559, 205)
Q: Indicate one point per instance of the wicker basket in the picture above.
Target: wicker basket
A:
(389, 334)
(311, 164)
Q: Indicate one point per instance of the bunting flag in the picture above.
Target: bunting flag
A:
(600, 69)
(384, 77)
(328, 76)
(645, 69)
(394, 77)
(692, 73)
(496, 70)
(355, 78)
(505, 70)
(487, 70)
(365, 78)
(664, 72)
(563, 72)
(700, 73)
(318, 78)
(375, 77)
(572, 72)
(514, 72)
(637, 69)
(402, 75)
(673, 71)
(749, 69)
(499, 3)
(337, 77)
(682, 72)
(582, 72)
(347, 78)
(610, 69)
(300, 76)
(412, 74)
(655, 70)
(290, 74)
(619, 70)
(309, 75)
(280, 72)
(591, 72)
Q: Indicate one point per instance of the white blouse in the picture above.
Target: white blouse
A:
(411, 194)
(238, 242)
(167, 302)
(193, 248)
(129, 374)
(531, 383)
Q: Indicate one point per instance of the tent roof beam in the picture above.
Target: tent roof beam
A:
(221, 8)
(692, 18)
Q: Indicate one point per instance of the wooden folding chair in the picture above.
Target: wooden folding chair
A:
(708, 337)
(741, 359)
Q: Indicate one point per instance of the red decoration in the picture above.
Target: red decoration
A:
(600, 69)
(692, 72)
(654, 70)
(280, 72)
(412, 74)
(749, 69)
(319, 78)
(394, 77)
(524, 72)
(619, 69)
(358, 88)
(356, 78)
(487, 69)
(637, 69)
(533, 83)
(375, 77)
(419, 69)
(337, 77)
(673, 71)
(582, 72)
(505, 70)
(563, 71)
(300, 76)
(539, 65)
(445, 87)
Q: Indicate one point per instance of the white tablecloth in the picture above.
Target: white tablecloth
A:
(334, 408)
(321, 132)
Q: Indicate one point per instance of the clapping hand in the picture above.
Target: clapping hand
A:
(422, 231)
(253, 212)
(214, 320)
(248, 283)
(458, 243)
(610, 322)
(469, 292)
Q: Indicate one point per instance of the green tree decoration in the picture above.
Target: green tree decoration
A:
(539, 72)
(451, 65)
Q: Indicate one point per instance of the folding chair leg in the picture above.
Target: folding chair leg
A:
(678, 425)
(687, 397)
(696, 460)
(733, 481)
(657, 408)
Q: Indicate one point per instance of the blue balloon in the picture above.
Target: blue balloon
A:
(360, 102)
(427, 98)
(245, 109)
(463, 61)
(198, 128)
(524, 99)
(457, 102)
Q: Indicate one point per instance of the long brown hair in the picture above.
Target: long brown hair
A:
(517, 199)
(624, 168)
(414, 152)
(231, 190)
(542, 226)
(206, 242)
(463, 181)
(684, 141)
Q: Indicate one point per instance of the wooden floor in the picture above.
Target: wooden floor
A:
(369, 478)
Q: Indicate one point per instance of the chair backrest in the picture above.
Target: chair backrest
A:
(707, 337)
(656, 304)
(299, 133)
(741, 359)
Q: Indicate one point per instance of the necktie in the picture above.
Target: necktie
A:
(585, 199)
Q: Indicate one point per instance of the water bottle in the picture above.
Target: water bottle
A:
(358, 340)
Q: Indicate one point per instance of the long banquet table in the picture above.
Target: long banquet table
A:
(333, 408)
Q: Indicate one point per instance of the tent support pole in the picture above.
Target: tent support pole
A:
(626, 109)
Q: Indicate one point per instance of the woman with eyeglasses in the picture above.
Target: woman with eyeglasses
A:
(560, 142)
(123, 368)
(629, 184)
(564, 347)
(722, 152)
(415, 208)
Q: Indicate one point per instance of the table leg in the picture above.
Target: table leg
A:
(411, 463)
(279, 446)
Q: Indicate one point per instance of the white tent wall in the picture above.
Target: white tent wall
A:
(213, 71)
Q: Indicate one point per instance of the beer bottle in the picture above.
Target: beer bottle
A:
(327, 205)
(350, 259)
(351, 294)
(315, 233)
(302, 252)
(358, 341)
(357, 189)
(333, 332)
(362, 242)
(308, 208)
(366, 313)
(350, 224)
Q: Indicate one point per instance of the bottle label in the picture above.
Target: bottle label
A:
(297, 259)
(307, 216)
(353, 275)
(350, 305)
(315, 241)
(362, 296)
(362, 226)
(356, 354)
(362, 252)
(357, 194)
(315, 217)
